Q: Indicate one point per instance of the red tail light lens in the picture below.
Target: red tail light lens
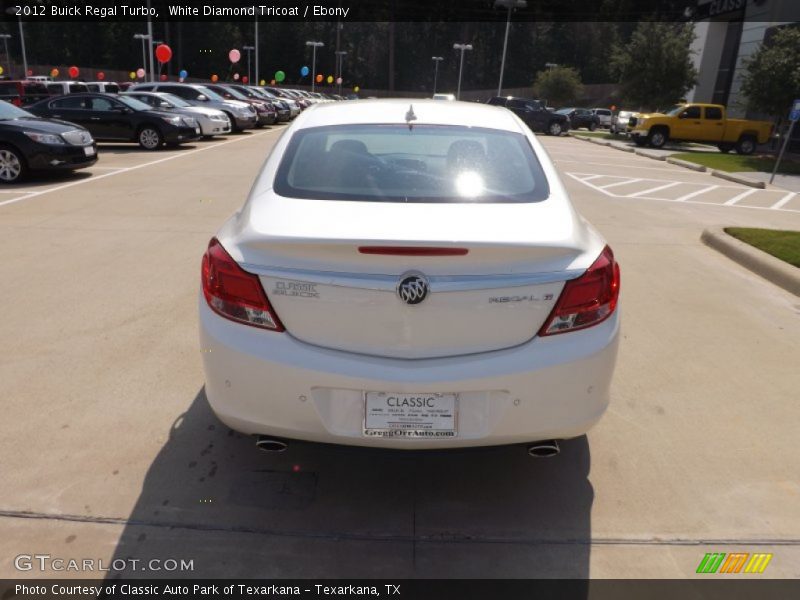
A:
(233, 292)
(587, 300)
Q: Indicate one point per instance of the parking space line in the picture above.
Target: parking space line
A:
(707, 188)
(590, 177)
(738, 197)
(655, 189)
(626, 182)
(784, 201)
(135, 167)
(599, 164)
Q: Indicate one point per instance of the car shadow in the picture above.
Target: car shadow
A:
(322, 511)
(133, 148)
(37, 179)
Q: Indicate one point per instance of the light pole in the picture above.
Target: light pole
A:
(314, 45)
(462, 48)
(248, 49)
(340, 54)
(153, 45)
(150, 36)
(144, 37)
(7, 37)
(255, 36)
(436, 60)
(511, 5)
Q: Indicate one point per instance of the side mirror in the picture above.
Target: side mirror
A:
(683, 115)
(164, 105)
(202, 98)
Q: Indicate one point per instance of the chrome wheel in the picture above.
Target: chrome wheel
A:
(555, 128)
(657, 139)
(149, 138)
(10, 166)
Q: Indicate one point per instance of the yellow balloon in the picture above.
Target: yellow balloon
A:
(330, 78)
(355, 89)
(1, 70)
(132, 74)
(263, 82)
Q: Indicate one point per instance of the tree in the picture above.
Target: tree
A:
(559, 85)
(655, 68)
(772, 75)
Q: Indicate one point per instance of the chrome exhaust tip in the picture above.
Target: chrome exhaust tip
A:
(544, 449)
(270, 445)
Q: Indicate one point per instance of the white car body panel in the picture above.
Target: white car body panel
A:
(347, 333)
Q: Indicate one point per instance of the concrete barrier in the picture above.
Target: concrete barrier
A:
(739, 179)
(686, 164)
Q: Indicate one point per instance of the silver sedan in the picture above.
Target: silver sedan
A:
(212, 121)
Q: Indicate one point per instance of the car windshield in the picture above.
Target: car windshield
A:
(410, 163)
(674, 110)
(211, 95)
(9, 111)
(564, 111)
(176, 101)
(134, 103)
(235, 93)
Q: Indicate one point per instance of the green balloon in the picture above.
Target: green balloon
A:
(280, 76)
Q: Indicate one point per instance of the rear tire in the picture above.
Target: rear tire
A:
(746, 145)
(657, 137)
(592, 126)
(150, 138)
(12, 165)
(554, 128)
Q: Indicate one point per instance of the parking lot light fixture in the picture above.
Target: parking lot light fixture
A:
(314, 46)
(462, 48)
(340, 54)
(144, 37)
(510, 5)
(436, 60)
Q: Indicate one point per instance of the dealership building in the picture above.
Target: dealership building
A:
(727, 33)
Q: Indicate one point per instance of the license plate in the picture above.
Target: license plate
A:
(88, 150)
(388, 414)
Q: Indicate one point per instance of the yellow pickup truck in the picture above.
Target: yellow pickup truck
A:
(705, 123)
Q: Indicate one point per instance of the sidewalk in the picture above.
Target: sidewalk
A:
(787, 182)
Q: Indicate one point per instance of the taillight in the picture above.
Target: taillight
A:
(587, 300)
(234, 293)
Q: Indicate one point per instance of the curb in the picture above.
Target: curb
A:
(770, 268)
(739, 179)
(647, 154)
(686, 164)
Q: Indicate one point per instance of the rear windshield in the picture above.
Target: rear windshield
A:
(418, 163)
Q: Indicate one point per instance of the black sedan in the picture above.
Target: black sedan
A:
(580, 118)
(113, 118)
(28, 143)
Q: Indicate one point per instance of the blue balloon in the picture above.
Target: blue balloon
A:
(183, 74)
(304, 71)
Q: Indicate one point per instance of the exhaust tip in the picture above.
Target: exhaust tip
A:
(270, 445)
(545, 449)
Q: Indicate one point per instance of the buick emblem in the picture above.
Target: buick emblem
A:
(413, 288)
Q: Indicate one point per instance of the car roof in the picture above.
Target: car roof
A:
(426, 111)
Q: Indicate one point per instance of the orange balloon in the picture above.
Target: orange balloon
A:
(319, 78)
(214, 78)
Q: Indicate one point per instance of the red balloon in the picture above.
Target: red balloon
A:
(163, 77)
(74, 71)
(245, 79)
(30, 72)
(101, 76)
(163, 53)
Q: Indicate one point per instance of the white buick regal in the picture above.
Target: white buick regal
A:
(409, 276)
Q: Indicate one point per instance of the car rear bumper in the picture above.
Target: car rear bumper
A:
(45, 157)
(262, 382)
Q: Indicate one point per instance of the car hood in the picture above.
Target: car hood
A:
(42, 125)
(235, 104)
(201, 110)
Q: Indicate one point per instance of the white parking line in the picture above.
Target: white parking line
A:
(674, 170)
(135, 167)
(784, 201)
(707, 188)
(738, 197)
(626, 182)
(655, 189)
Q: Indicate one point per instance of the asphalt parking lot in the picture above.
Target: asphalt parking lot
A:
(108, 448)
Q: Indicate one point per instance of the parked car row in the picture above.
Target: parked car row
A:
(61, 132)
